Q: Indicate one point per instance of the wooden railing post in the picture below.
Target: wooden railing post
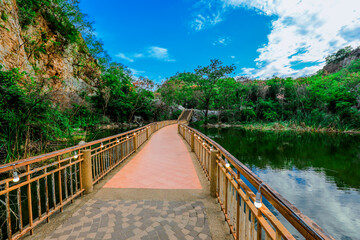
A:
(135, 142)
(147, 133)
(192, 141)
(213, 172)
(184, 132)
(86, 172)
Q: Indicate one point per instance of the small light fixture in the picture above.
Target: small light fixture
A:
(75, 155)
(203, 143)
(257, 202)
(117, 140)
(15, 175)
(127, 136)
(102, 145)
(227, 164)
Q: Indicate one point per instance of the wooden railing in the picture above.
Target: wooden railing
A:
(227, 177)
(48, 182)
(185, 116)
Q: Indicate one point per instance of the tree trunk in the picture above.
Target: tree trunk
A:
(131, 115)
(207, 110)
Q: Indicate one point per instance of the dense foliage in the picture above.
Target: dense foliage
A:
(27, 115)
(320, 100)
(57, 13)
(30, 121)
(339, 55)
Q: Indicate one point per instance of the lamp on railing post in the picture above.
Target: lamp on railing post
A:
(135, 142)
(257, 202)
(15, 175)
(227, 164)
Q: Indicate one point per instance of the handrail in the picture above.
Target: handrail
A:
(181, 114)
(9, 166)
(62, 176)
(185, 116)
(305, 226)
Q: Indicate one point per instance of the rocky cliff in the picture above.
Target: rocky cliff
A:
(67, 69)
(343, 62)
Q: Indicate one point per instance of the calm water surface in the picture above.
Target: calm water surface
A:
(318, 173)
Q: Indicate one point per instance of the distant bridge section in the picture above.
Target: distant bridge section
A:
(185, 116)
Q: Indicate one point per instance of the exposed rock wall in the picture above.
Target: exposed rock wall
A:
(68, 70)
(336, 66)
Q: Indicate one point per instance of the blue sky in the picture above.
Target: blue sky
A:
(262, 38)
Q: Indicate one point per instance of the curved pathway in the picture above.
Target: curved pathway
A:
(159, 193)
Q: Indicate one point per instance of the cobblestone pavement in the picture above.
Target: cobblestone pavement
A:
(133, 219)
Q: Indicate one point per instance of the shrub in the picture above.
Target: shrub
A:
(212, 119)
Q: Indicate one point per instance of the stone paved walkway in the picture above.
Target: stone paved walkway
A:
(119, 219)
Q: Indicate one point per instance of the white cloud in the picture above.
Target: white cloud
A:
(123, 56)
(200, 21)
(155, 52)
(232, 57)
(159, 53)
(305, 31)
(222, 41)
(136, 73)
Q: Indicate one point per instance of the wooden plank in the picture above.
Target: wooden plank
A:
(8, 212)
(66, 184)
(28, 178)
(47, 195)
(38, 197)
(19, 208)
(60, 183)
(53, 189)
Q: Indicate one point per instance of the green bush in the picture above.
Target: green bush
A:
(59, 14)
(4, 16)
(175, 114)
(212, 119)
(27, 115)
(227, 116)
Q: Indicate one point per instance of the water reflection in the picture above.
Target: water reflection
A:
(318, 173)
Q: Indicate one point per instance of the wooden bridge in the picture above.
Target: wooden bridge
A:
(161, 181)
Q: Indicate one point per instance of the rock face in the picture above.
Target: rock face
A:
(199, 114)
(66, 69)
(336, 66)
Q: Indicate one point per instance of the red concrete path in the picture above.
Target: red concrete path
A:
(163, 163)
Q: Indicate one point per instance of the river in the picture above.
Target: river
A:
(318, 173)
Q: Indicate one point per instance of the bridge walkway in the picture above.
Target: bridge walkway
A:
(159, 193)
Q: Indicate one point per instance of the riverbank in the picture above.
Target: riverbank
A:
(279, 126)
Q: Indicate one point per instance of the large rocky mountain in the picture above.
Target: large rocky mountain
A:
(67, 69)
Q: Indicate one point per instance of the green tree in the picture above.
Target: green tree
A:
(207, 79)
(141, 96)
